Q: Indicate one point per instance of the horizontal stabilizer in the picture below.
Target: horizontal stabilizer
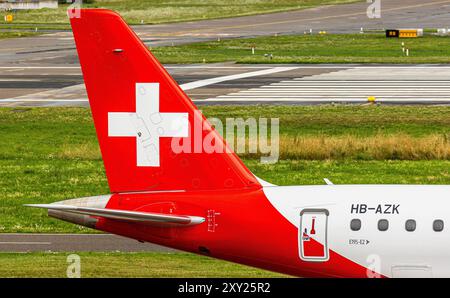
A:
(123, 215)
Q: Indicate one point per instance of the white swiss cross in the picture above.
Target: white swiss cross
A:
(147, 124)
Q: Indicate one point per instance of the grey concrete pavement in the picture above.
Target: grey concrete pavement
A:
(44, 70)
(58, 48)
(244, 84)
(387, 84)
(74, 243)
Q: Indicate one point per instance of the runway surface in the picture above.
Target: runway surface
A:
(248, 84)
(44, 70)
(74, 243)
(394, 85)
(59, 48)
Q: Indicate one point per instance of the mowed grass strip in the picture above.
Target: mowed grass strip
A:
(163, 11)
(312, 172)
(124, 265)
(52, 154)
(14, 34)
(328, 48)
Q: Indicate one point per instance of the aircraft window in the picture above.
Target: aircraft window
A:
(410, 225)
(383, 224)
(438, 225)
(355, 224)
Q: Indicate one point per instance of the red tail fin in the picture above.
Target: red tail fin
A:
(138, 110)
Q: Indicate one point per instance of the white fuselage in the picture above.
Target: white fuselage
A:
(394, 252)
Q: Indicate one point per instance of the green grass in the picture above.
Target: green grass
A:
(51, 154)
(14, 34)
(32, 27)
(124, 265)
(353, 172)
(163, 11)
(345, 119)
(329, 48)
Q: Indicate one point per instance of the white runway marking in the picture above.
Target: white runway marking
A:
(356, 84)
(167, 67)
(321, 66)
(20, 80)
(212, 81)
(57, 96)
(345, 84)
(14, 69)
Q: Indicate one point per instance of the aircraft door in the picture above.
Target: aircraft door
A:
(313, 238)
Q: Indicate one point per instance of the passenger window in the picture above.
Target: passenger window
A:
(355, 224)
(410, 225)
(438, 225)
(383, 225)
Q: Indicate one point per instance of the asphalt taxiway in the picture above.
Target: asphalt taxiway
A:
(59, 47)
(214, 84)
(74, 243)
(44, 70)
